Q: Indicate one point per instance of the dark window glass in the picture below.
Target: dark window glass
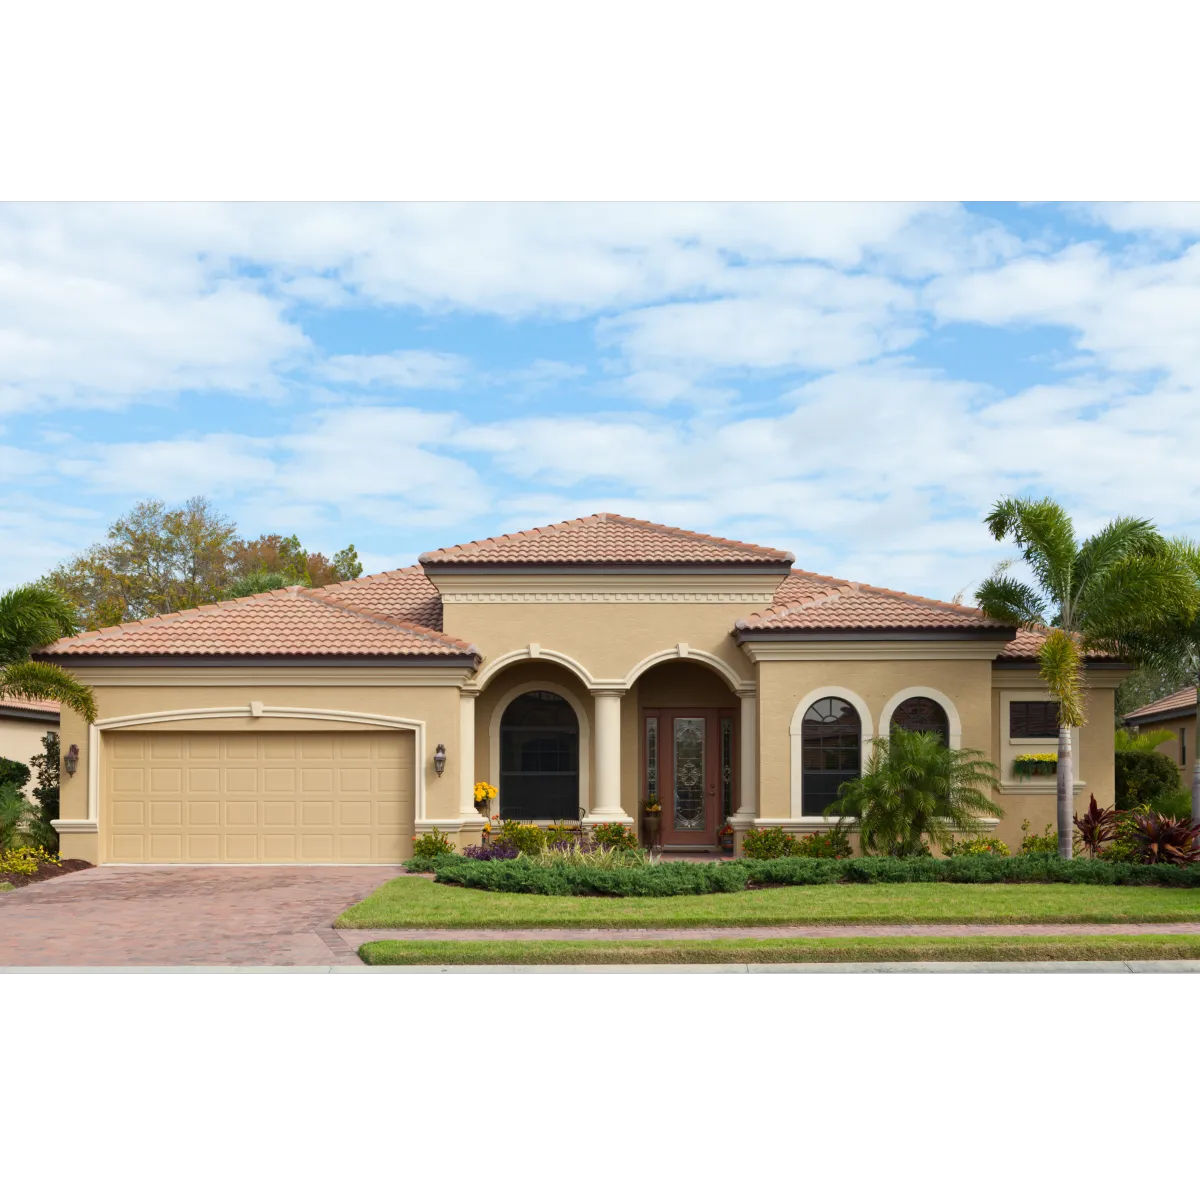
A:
(539, 759)
(1183, 747)
(1033, 719)
(831, 752)
(922, 715)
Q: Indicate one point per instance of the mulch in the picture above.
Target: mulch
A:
(45, 871)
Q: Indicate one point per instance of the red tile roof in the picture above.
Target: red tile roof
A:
(290, 622)
(51, 708)
(607, 539)
(1182, 700)
(1028, 643)
(407, 595)
(814, 602)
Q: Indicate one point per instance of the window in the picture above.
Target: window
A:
(727, 766)
(651, 758)
(831, 752)
(1183, 747)
(1033, 719)
(539, 759)
(919, 714)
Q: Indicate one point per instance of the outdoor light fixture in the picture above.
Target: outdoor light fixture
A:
(71, 759)
(439, 758)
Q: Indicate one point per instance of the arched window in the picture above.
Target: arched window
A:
(919, 714)
(832, 752)
(539, 759)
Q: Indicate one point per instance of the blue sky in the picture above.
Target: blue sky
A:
(856, 383)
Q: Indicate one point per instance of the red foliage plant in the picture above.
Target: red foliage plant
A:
(1097, 826)
(1159, 839)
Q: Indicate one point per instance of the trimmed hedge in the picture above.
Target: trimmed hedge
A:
(695, 879)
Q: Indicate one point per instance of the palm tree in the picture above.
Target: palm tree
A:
(1096, 595)
(915, 787)
(1173, 642)
(33, 616)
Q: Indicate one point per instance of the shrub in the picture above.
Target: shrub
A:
(15, 815)
(491, 850)
(45, 791)
(1159, 839)
(525, 839)
(1173, 804)
(772, 842)
(587, 854)
(25, 860)
(615, 834)
(16, 773)
(1096, 826)
(982, 844)
(432, 844)
(562, 834)
(1045, 842)
(1142, 776)
(834, 843)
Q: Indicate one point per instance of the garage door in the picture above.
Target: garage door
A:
(270, 797)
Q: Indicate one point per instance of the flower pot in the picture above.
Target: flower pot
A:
(650, 827)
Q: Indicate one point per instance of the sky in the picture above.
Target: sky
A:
(856, 383)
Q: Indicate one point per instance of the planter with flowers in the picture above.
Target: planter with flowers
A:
(725, 833)
(651, 819)
(485, 793)
(1026, 766)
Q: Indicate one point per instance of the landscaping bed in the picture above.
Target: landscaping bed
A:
(43, 870)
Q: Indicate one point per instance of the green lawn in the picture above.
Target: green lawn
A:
(413, 902)
(782, 950)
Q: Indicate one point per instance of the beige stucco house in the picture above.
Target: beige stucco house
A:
(1175, 714)
(23, 724)
(580, 667)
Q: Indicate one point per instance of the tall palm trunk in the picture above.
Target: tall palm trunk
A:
(1066, 792)
(1196, 760)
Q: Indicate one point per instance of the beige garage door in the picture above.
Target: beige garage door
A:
(269, 797)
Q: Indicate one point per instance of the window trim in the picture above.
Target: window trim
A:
(796, 737)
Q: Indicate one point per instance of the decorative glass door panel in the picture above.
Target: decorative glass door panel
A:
(689, 775)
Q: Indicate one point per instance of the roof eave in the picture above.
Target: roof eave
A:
(469, 659)
(768, 634)
(582, 567)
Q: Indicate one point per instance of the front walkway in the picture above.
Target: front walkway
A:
(179, 916)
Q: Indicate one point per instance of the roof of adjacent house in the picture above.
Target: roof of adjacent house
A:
(407, 595)
(289, 622)
(606, 539)
(1181, 702)
(821, 602)
(51, 708)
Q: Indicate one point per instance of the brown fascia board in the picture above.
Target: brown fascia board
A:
(1092, 664)
(873, 635)
(1168, 714)
(262, 660)
(609, 568)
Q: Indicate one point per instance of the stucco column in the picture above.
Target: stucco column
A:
(466, 756)
(747, 762)
(606, 795)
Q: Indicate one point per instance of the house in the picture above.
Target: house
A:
(23, 724)
(1176, 715)
(580, 667)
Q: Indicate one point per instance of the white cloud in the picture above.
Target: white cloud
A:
(408, 369)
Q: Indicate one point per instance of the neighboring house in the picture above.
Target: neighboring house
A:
(1176, 714)
(579, 667)
(23, 724)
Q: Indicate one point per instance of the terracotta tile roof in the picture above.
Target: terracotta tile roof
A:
(814, 602)
(1028, 643)
(407, 595)
(51, 708)
(1182, 700)
(608, 539)
(290, 622)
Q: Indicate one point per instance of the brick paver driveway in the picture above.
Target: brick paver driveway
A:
(179, 916)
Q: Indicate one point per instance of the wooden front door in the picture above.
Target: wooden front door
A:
(694, 773)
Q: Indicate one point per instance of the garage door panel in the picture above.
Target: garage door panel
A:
(257, 797)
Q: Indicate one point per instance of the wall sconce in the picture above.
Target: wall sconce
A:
(439, 759)
(71, 759)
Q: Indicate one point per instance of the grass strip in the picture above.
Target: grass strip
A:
(784, 950)
(414, 902)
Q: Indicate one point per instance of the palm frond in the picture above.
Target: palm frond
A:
(1045, 536)
(1061, 666)
(1007, 599)
(1141, 594)
(32, 615)
(45, 681)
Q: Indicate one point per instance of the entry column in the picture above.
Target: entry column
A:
(607, 792)
(748, 761)
(467, 811)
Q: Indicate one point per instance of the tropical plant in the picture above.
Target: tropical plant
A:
(16, 773)
(48, 766)
(1126, 740)
(1159, 839)
(1096, 826)
(916, 792)
(30, 617)
(1100, 594)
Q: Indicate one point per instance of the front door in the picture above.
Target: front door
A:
(694, 775)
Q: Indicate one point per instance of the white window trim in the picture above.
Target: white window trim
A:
(797, 745)
(932, 693)
(585, 736)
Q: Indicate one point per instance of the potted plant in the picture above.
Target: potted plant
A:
(1025, 766)
(725, 833)
(651, 819)
(485, 793)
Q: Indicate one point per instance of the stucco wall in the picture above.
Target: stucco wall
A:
(21, 739)
(436, 705)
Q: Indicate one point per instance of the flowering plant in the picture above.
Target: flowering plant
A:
(1035, 764)
(652, 804)
(485, 793)
(725, 831)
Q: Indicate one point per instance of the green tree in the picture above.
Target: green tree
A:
(917, 791)
(48, 765)
(30, 617)
(1098, 594)
(1171, 648)
(346, 564)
